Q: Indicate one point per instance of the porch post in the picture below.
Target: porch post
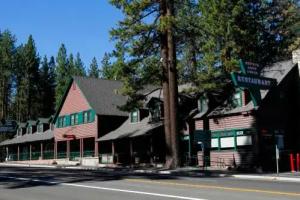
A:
(55, 149)
(113, 151)
(151, 150)
(81, 147)
(96, 148)
(131, 151)
(7, 152)
(42, 156)
(18, 153)
(30, 151)
(68, 148)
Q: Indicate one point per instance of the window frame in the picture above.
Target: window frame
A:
(134, 117)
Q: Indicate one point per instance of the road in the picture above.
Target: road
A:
(44, 184)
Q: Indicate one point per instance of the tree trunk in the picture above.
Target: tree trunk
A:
(165, 84)
(173, 88)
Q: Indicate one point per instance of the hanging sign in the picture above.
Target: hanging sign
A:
(250, 81)
(250, 68)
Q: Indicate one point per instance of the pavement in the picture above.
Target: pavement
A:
(183, 172)
(35, 183)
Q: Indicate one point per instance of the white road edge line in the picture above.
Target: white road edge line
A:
(105, 188)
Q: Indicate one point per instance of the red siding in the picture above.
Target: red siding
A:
(199, 124)
(231, 122)
(76, 102)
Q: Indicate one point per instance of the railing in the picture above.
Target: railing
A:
(24, 156)
(88, 153)
(48, 155)
(74, 155)
(61, 155)
(35, 155)
(12, 157)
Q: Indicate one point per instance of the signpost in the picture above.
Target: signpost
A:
(277, 159)
(250, 78)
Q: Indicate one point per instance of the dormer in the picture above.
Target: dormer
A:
(43, 124)
(31, 126)
(21, 129)
(155, 107)
(202, 104)
(240, 98)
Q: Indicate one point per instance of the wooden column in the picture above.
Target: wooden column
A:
(81, 147)
(68, 148)
(18, 153)
(96, 148)
(131, 151)
(55, 150)
(30, 146)
(42, 156)
(6, 152)
(151, 150)
(113, 151)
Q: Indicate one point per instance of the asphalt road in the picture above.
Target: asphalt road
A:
(64, 184)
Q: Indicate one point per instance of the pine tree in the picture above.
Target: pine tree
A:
(7, 51)
(145, 36)
(78, 66)
(47, 86)
(63, 74)
(108, 70)
(94, 70)
(31, 64)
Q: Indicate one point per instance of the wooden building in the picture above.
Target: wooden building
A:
(89, 110)
(239, 134)
(34, 141)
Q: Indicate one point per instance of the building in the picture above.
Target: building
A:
(239, 134)
(89, 110)
(34, 141)
(140, 140)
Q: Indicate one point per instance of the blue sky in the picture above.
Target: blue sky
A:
(82, 25)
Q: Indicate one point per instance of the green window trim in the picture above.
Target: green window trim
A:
(83, 117)
(134, 116)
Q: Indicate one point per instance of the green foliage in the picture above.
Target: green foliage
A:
(78, 66)
(63, 74)
(94, 70)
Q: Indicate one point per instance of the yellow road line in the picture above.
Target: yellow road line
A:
(215, 187)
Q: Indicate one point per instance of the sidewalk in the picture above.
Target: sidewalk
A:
(183, 172)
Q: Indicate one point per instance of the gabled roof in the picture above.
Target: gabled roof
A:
(277, 71)
(45, 120)
(31, 122)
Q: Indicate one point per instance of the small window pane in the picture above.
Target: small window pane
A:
(76, 119)
(85, 117)
(134, 116)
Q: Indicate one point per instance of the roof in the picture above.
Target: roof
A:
(44, 120)
(47, 135)
(32, 122)
(277, 71)
(130, 130)
(102, 95)
(22, 125)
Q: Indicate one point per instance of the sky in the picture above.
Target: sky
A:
(82, 25)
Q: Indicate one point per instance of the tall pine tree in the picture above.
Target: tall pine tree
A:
(94, 70)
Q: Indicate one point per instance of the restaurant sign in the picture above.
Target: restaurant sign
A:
(250, 81)
(8, 126)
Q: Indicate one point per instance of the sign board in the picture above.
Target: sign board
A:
(251, 81)
(8, 126)
(250, 68)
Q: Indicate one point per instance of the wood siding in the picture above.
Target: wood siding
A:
(231, 122)
(199, 124)
(75, 102)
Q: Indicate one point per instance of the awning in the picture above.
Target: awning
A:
(130, 130)
(47, 135)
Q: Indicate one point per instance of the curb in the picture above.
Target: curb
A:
(269, 178)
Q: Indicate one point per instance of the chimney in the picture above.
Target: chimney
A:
(296, 57)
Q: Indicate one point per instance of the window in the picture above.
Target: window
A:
(237, 99)
(40, 128)
(29, 129)
(85, 116)
(72, 119)
(134, 117)
(202, 104)
(76, 118)
(64, 123)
